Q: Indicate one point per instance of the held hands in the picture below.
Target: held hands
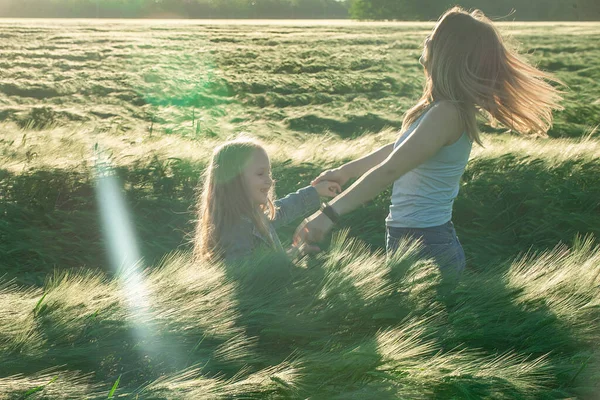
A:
(327, 188)
(336, 175)
(315, 227)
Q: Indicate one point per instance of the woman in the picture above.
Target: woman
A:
(468, 71)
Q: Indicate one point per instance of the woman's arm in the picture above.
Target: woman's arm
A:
(438, 128)
(356, 168)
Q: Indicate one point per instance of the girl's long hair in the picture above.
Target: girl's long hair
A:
(224, 200)
(467, 63)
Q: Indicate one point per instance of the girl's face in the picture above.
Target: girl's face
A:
(257, 176)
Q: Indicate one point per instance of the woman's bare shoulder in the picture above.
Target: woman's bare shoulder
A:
(446, 115)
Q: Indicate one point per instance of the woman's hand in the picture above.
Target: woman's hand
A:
(312, 229)
(327, 188)
(336, 175)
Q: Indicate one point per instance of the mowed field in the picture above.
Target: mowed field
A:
(154, 98)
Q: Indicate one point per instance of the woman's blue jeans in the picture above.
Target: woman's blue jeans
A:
(438, 242)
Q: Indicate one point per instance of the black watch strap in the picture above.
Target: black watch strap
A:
(330, 213)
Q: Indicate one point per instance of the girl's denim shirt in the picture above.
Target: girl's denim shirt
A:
(244, 238)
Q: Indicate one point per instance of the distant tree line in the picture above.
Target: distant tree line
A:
(201, 9)
(520, 10)
(424, 10)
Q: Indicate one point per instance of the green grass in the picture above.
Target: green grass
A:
(155, 100)
(348, 324)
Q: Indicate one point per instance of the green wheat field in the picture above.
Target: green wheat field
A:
(153, 98)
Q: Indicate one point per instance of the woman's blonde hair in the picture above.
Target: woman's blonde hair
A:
(224, 198)
(467, 63)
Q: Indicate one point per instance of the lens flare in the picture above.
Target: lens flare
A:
(116, 224)
(126, 261)
(119, 236)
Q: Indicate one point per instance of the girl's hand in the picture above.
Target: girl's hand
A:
(327, 188)
(336, 175)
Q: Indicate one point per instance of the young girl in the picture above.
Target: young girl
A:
(468, 72)
(237, 215)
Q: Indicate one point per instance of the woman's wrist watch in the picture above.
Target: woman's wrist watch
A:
(330, 213)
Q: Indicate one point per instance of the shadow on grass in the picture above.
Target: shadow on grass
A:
(506, 206)
(327, 316)
(50, 217)
(513, 204)
(321, 315)
(352, 127)
(312, 314)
